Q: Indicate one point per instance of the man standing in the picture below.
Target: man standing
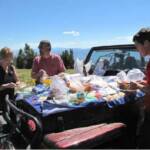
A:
(47, 64)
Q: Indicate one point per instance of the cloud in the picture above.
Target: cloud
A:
(91, 43)
(76, 44)
(117, 40)
(18, 45)
(124, 38)
(73, 33)
(65, 44)
(33, 44)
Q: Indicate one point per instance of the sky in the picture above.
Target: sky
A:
(71, 23)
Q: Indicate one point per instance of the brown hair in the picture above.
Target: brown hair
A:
(45, 42)
(6, 52)
(142, 35)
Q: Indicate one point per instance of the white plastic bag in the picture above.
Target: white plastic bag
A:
(75, 81)
(78, 66)
(122, 76)
(98, 81)
(99, 68)
(132, 75)
(58, 87)
(88, 66)
(135, 75)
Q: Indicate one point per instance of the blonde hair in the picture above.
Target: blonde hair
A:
(5, 52)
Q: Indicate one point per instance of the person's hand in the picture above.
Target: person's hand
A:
(135, 85)
(143, 82)
(18, 83)
(42, 73)
(10, 85)
(124, 85)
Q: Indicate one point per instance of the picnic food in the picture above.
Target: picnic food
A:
(87, 87)
(124, 85)
(74, 86)
(77, 98)
(47, 82)
(114, 96)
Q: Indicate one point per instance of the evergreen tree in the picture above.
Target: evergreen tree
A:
(71, 58)
(25, 57)
(67, 57)
(29, 56)
(20, 59)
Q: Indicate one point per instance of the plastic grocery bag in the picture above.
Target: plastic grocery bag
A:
(132, 75)
(99, 68)
(122, 76)
(135, 75)
(98, 81)
(58, 87)
(88, 66)
(78, 66)
(74, 81)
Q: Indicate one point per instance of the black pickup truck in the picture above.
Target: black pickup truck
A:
(116, 58)
(89, 127)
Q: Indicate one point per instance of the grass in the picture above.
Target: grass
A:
(25, 74)
(70, 71)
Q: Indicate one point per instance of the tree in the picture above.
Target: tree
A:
(68, 58)
(25, 57)
(29, 56)
(71, 58)
(20, 59)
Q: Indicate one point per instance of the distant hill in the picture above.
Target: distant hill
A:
(78, 52)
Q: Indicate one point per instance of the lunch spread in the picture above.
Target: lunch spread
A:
(75, 90)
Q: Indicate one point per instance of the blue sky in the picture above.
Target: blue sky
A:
(71, 23)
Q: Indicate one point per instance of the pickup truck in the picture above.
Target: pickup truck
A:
(90, 127)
